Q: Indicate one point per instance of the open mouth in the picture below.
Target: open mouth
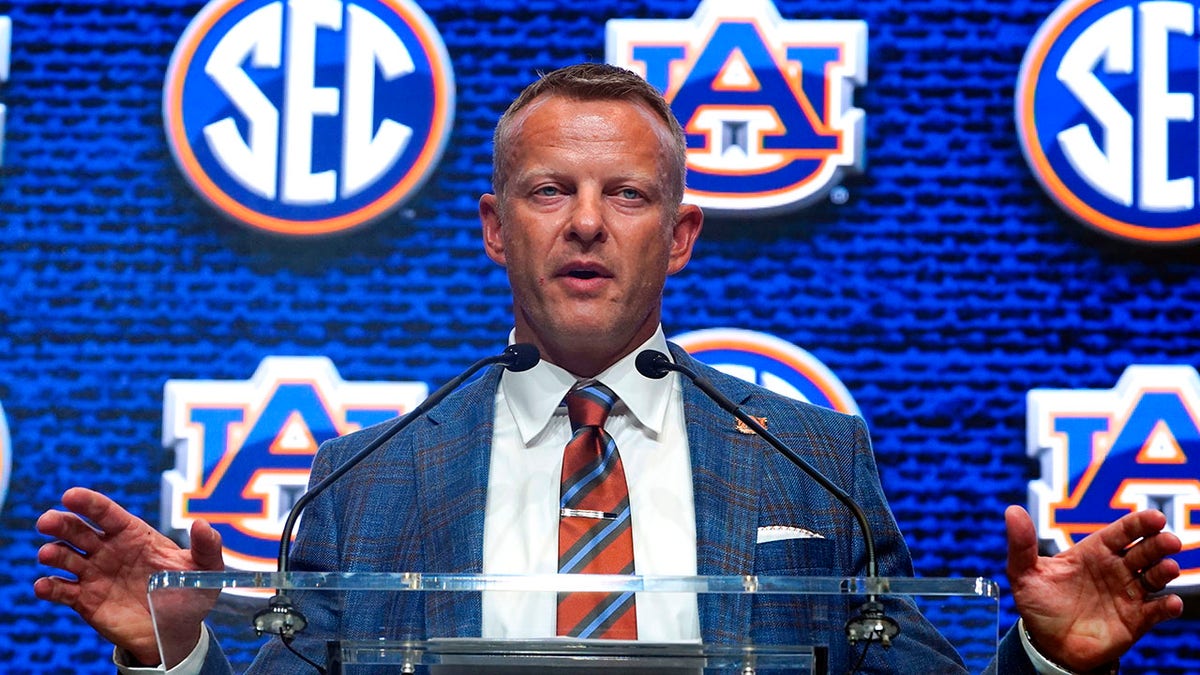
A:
(583, 270)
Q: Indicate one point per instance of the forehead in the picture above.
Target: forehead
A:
(580, 126)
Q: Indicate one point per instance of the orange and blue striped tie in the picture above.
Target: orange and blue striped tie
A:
(594, 531)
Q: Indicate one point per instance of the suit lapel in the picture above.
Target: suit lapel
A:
(452, 451)
(725, 482)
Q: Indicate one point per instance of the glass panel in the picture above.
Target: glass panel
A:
(429, 623)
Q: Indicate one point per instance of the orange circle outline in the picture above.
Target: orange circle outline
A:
(730, 343)
(177, 139)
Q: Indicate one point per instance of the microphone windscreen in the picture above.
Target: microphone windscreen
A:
(652, 364)
(521, 357)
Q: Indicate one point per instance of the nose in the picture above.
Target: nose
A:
(587, 224)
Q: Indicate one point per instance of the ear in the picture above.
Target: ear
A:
(489, 217)
(688, 223)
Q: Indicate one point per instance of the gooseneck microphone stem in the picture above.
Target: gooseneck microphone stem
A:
(656, 362)
(516, 357)
(280, 618)
(871, 625)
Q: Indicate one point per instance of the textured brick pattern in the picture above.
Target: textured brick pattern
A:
(943, 290)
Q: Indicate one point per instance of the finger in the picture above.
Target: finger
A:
(1022, 541)
(1117, 536)
(206, 546)
(52, 523)
(106, 514)
(1156, 578)
(1151, 549)
(1161, 609)
(59, 555)
(57, 589)
(69, 528)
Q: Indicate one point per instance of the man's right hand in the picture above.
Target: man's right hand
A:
(112, 554)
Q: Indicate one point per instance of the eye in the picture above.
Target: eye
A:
(629, 193)
(547, 191)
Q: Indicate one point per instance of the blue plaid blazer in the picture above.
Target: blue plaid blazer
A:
(417, 504)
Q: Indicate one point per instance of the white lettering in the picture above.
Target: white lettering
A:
(252, 164)
(1108, 170)
(303, 101)
(368, 154)
(1157, 107)
(278, 160)
(5, 48)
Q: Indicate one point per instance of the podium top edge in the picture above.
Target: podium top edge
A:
(970, 587)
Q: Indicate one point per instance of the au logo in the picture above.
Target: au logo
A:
(1106, 115)
(243, 450)
(1105, 453)
(307, 118)
(766, 103)
(766, 360)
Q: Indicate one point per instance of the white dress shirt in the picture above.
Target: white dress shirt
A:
(520, 532)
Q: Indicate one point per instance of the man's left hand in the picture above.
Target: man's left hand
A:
(1086, 606)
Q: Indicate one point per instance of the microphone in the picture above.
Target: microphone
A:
(870, 624)
(280, 617)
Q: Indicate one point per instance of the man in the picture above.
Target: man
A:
(588, 221)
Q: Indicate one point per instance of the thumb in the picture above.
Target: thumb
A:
(206, 546)
(1022, 542)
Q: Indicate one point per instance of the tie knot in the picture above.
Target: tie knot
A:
(589, 406)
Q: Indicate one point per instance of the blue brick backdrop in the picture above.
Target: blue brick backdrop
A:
(944, 288)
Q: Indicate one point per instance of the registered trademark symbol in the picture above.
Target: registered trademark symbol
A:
(839, 195)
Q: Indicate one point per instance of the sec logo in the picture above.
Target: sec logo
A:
(307, 118)
(1106, 115)
(770, 362)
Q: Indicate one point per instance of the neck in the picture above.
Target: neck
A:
(582, 362)
(583, 358)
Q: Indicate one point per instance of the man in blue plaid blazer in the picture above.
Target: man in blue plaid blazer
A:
(588, 219)
(436, 475)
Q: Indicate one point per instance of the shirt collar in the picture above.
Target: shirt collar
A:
(535, 394)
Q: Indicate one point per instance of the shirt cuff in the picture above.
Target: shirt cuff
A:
(189, 666)
(1045, 666)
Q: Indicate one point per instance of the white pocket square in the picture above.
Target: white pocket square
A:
(782, 532)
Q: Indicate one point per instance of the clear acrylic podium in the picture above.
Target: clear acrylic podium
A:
(429, 623)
